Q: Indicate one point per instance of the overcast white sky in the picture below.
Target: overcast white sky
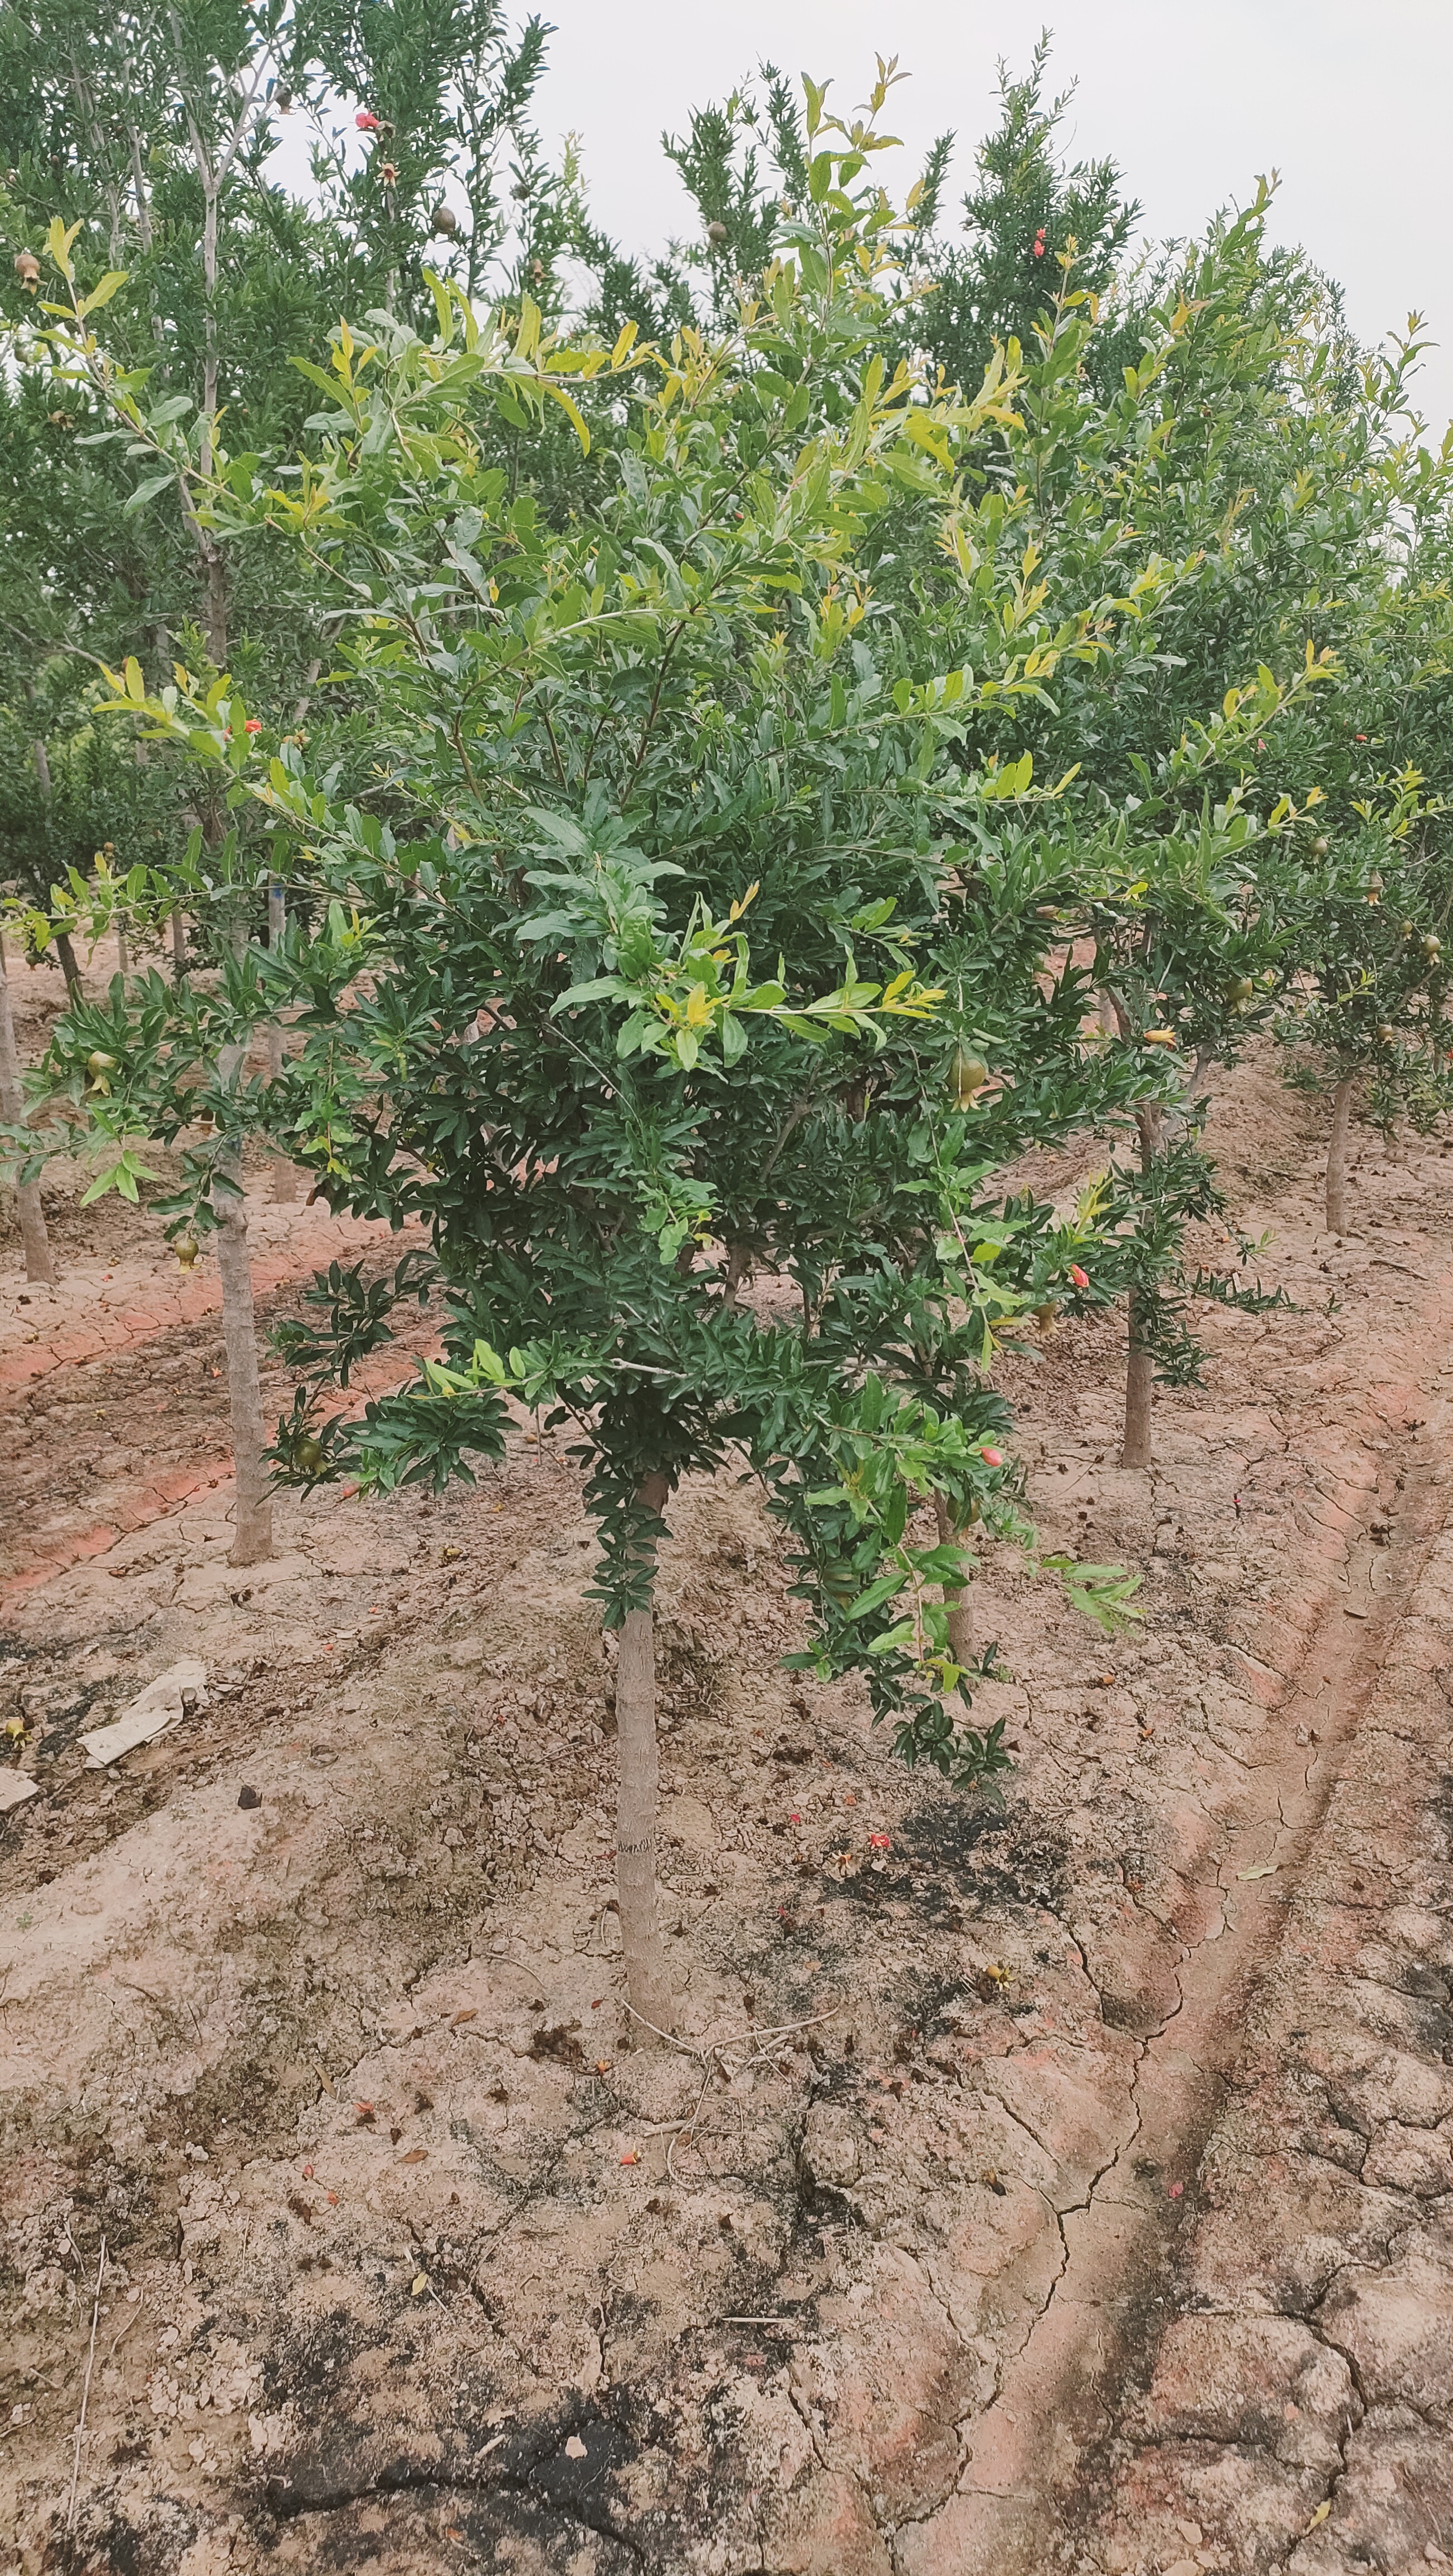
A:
(1349, 100)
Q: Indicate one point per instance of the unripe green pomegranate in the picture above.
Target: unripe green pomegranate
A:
(967, 1076)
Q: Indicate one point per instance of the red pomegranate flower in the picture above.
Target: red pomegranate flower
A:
(1039, 243)
(253, 725)
(1080, 1277)
(366, 121)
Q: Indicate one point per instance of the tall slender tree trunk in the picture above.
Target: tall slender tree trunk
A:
(252, 1506)
(1135, 1448)
(1337, 1155)
(64, 950)
(648, 1981)
(955, 1595)
(284, 1170)
(123, 946)
(179, 943)
(35, 1242)
(71, 971)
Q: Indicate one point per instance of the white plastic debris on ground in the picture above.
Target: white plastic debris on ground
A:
(163, 1704)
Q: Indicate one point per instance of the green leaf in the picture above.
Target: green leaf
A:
(147, 491)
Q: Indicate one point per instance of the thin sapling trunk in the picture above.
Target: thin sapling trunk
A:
(284, 1170)
(69, 968)
(64, 950)
(648, 1981)
(35, 1242)
(1337, 1155)
(1135, 1448)
(252, 1510)
(252, 1506)
(955, 1595)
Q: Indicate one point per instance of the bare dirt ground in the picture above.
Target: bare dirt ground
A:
(1069, 2189)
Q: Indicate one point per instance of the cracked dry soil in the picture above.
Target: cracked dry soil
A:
(1067, 2190)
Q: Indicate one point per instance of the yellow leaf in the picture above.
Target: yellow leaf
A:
(1321, 2514)
(624, 344)
(418, 2285)
(698, 1008)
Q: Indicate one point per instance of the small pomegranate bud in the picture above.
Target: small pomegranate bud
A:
(716, 234)
(1320, 846)
(27, 269)
(1080, 1277)
(187, 1254)
(992, 1457)
(444, 221)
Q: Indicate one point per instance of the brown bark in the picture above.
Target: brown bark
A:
(179, 944)
(1337, 1155)
(69, 968)
(955, 1595)
(35, 1242)
(123, 946)
(1135, 1450)
(648, 1981)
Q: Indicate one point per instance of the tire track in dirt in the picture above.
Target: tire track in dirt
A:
(1031, 2452)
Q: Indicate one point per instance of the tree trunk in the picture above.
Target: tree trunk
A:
(252, 1510)
(69, 968)
(648, 1981)
(123, 948)
(284, 1171)
(64, 950)
(1135, 1450)
(35, 1242)
(955, 1595)
(1337, 1155)
(252, 1507)
(179, 944)
(1139, 1380)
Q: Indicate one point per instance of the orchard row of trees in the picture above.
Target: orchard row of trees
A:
(691, 784)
